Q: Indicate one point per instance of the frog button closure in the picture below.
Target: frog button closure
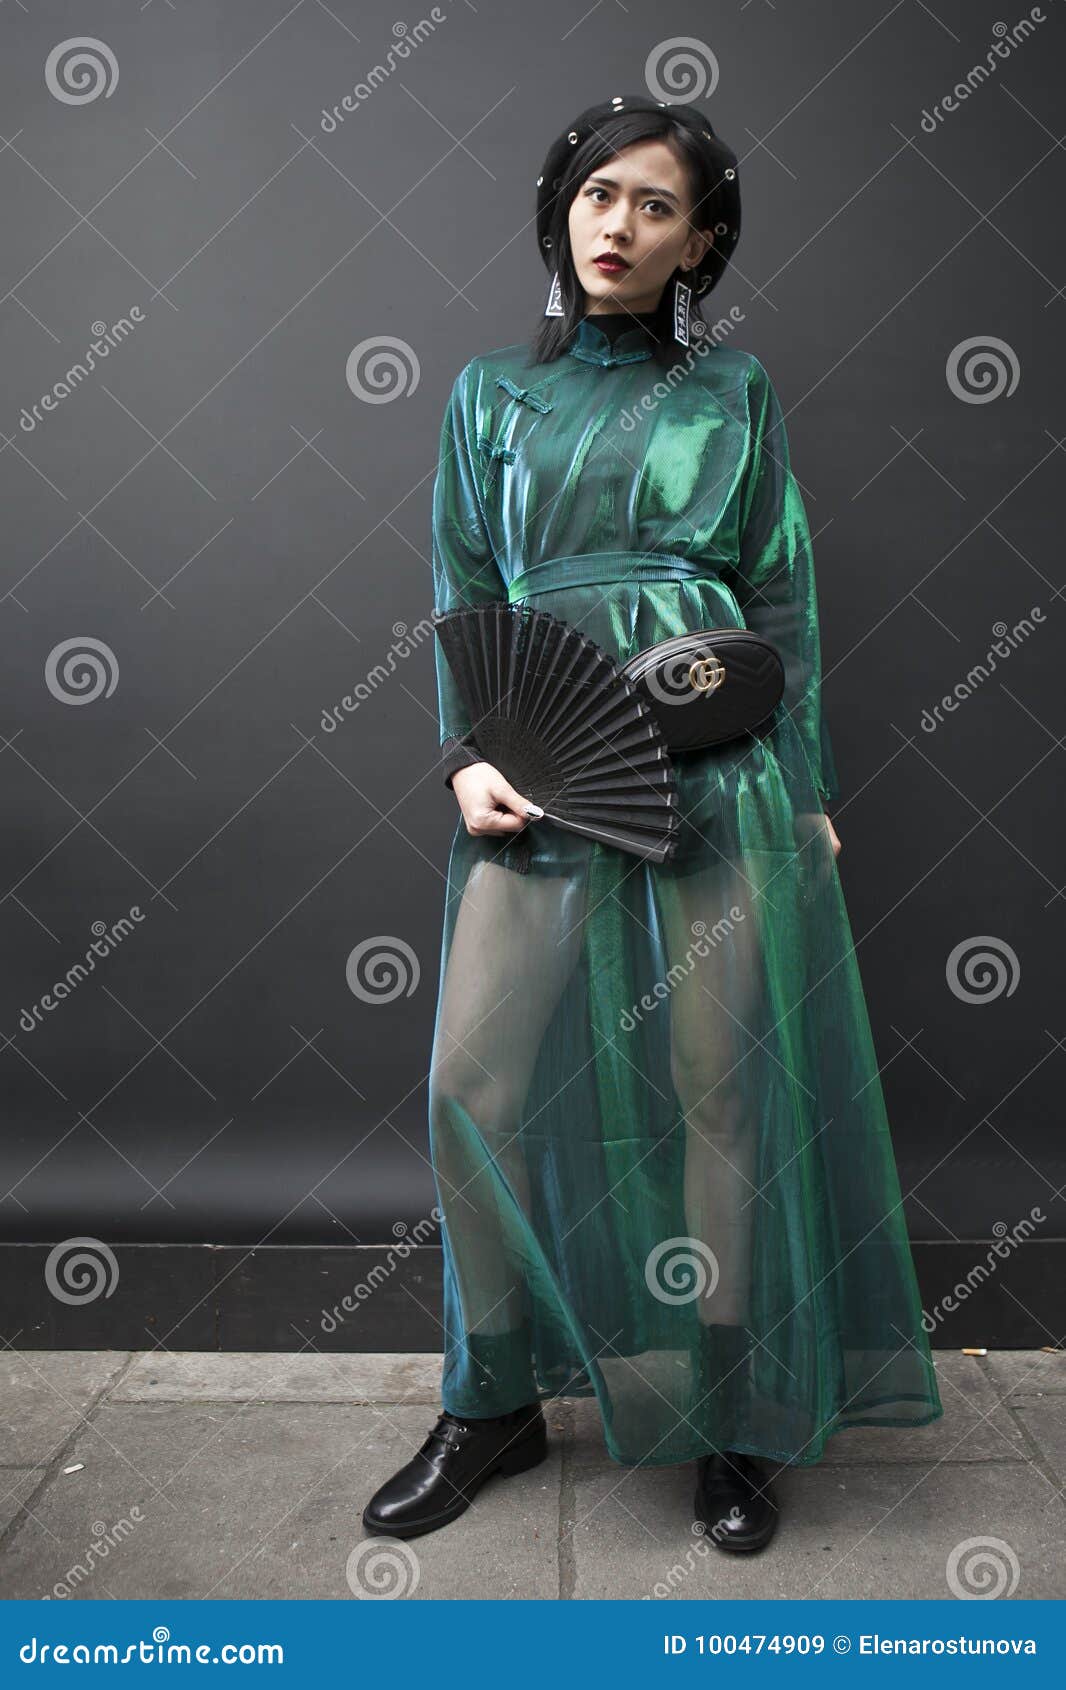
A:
(524, 395)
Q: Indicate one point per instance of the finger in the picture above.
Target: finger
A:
(505, 794)
(498, 821)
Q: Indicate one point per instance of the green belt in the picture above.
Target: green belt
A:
(589, 569)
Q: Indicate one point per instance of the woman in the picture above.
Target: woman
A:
(657, 1127)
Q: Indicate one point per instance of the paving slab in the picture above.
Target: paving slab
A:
(200, 1501)
(17, 1485)
(246, 1376)
(245, 1474)
(1045, 1421)
(975, 1426)
(849, 1533)
(1027, 1372)
(43, 1396)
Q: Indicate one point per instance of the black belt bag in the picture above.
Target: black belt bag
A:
(709, 686)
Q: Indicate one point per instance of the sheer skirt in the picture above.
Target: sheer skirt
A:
(659, 1138)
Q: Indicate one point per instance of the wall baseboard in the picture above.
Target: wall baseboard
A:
(292, 1297)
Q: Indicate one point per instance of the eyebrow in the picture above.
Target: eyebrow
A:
(645, 188)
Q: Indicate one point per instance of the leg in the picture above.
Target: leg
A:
(713, 1010)
(515, 942)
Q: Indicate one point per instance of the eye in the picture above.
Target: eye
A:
(661, 209)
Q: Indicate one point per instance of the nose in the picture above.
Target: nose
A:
(617, 227)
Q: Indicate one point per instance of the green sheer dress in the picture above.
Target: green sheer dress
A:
(658, 1133)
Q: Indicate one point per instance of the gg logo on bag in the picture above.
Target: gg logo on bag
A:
(707, 673)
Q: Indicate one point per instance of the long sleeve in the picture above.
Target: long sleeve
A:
(776, 585)
(465, 571)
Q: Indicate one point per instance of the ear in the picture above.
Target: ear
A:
(697, 245)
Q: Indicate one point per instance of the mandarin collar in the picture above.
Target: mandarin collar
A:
(593, 346)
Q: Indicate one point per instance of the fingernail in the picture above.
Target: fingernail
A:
(534, 810)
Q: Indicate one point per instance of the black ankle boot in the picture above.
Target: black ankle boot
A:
(735, 1502)
(721, 1364)
(441, 1480)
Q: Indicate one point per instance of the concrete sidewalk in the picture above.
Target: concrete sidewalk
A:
(197, 1475)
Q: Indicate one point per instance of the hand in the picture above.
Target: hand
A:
(833, 838)
(489, 802)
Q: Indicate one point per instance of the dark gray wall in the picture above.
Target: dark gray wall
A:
(245, 536)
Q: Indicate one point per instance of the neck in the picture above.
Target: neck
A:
(614, 308)
(618, 320)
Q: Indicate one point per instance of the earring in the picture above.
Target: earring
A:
(554, 307)
(682, 295)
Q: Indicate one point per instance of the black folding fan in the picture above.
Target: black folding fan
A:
(553, 712)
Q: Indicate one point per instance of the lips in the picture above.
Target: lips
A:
(610, 264)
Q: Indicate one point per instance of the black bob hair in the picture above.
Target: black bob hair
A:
(707, 192)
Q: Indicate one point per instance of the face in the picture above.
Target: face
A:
(636, 206)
